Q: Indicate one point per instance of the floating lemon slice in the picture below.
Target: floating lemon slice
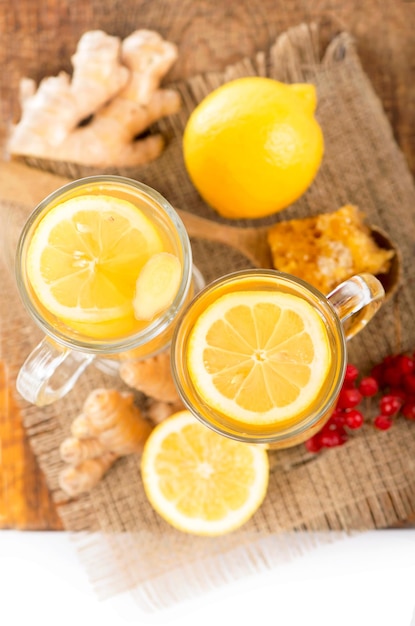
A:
(200, 482)
(259, 357)
(85, 256)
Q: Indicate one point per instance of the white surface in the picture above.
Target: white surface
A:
(368, 580)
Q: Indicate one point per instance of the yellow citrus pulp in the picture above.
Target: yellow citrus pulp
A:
(252, 147)
(84, 261)
(201, 482)
(259, 357)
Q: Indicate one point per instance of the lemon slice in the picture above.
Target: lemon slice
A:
(85, 256)
(259, 357)
(200, 482)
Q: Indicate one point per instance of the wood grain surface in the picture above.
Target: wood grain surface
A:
(37, 38)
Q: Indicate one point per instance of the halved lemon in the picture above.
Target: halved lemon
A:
(85, 256)
(259, 357)
(200, 482)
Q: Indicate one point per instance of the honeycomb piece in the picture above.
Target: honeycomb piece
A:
(326, 249)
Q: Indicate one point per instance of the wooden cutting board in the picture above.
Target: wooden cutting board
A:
(25, 502)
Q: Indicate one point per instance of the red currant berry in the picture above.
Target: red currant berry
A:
(391, 359)
(398, 393)
(313, 444)
(392, 376)
(390, 405)
(338, 418)
(333, 438)
(408, 410)
(348, 398)
(406, 365)
(409, 383)
(368, 386)
(377, 373)
(354, 419)
(351, 375)
(382, 422)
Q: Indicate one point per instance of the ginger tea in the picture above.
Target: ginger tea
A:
(260, 356)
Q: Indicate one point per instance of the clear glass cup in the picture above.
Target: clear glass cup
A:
(54, 366)
(344, 312)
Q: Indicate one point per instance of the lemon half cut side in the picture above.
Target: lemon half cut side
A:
(201, 482)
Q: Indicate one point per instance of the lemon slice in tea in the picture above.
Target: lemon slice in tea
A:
(85, 256)
(259, 357)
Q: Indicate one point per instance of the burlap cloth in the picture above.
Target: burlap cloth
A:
(368, 483)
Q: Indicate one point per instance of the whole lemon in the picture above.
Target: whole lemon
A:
(252, 147)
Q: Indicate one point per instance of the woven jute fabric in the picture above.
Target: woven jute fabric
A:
(368, 483)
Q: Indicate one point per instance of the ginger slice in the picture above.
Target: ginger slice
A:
(157, 285)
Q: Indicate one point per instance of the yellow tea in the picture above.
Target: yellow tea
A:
(104, 267)
(260, 355)
(103, 262)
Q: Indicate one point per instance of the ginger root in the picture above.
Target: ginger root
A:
(113, 419)
(157, 410)
(77, 479)
(60, 104)
(115, 82)
(152, 377)
(74, 450)
(110, 426)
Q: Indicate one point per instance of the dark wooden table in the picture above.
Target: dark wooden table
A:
(38, 38)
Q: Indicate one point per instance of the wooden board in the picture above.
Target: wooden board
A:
(210, 36)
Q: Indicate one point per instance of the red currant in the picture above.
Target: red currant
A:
(406, 365)
(338, 418)
(408, 410)
(398, 393)
(313, 444)
(368, 386)
(382, 422)
(377, 373)
(351, 375)
(409, 383)
(391, 359)
(354, 419)
(390, 405)
(392, 376)
(333, 438)
(348, 398)
(395, 376)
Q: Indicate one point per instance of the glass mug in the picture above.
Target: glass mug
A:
(55, 365)
(344, 312)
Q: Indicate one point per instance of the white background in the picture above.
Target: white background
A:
(366, 580)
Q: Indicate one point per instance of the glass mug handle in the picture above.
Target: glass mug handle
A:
(356, 301)
(49, 372)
